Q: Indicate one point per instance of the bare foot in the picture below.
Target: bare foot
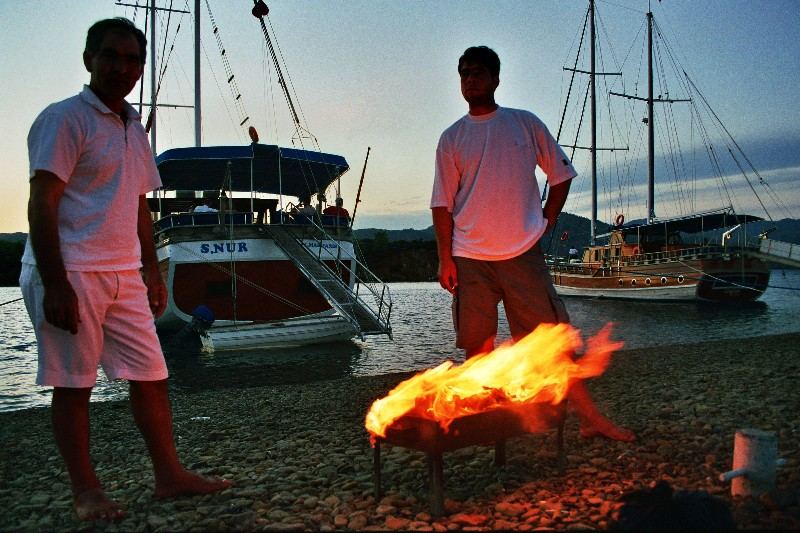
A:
(188, 483)
(93, 504)
(609, 431)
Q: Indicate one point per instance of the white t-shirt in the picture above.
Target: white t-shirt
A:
(106, 165)
(485, 177)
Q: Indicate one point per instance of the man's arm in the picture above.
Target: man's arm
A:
(443, 228)
(60, 302)
(555, 202)
(156, 290)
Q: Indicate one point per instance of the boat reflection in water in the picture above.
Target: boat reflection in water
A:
(192, 370)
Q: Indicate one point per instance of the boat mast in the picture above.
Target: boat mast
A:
(593, 148)
(153, 82)
(651, 211)
(197, 113)
(650, 100)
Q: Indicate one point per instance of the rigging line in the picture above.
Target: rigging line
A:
(236, 128)
(232, 84)
(572, 80)
(165, 60)
(663, 43)
(287, 96)
(716, 278)
(776, 198)
(569, 93)
(141, 78)
(164, 44)
(747, 179)
(721, 125)
(294, 91)
(311, 136)
(11, 301)
(622, 6)
(278, 57)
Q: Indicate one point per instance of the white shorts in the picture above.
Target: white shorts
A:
(116, 330)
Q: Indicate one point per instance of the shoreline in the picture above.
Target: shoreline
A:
(299, 456)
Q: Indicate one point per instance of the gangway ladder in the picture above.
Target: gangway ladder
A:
(364, 319)
(781, 252)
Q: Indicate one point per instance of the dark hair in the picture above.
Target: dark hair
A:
(98, 31)
(482, 55)
(662, 509)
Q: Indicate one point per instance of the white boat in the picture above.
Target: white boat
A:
(696, 256)
(244, 269)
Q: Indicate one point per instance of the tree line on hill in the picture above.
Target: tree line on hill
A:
(410, 254)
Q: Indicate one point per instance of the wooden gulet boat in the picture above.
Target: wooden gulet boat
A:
(242, 269)
(701, 256)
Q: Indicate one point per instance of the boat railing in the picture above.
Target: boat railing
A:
(329, 249)
(705, 251)
(180, 220)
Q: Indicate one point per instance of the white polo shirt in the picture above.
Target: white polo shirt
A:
(106, 165)
(485, 176)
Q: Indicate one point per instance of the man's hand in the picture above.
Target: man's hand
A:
(61, 306)
(555, 202)
(448, 275)
(443, 229)
(156, 292)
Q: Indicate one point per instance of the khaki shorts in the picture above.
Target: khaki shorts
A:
(116, 330)
(522, 283)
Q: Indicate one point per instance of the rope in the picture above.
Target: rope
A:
(246, 281)
(10, 301)
(237, 95)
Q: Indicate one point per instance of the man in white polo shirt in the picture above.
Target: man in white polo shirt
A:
(488, 220)
(90, 234)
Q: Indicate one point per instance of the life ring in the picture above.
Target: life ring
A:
(620, 220)
(635, 250)
(565, 236)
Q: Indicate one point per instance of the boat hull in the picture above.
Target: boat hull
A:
(255, 294)
(732, 279)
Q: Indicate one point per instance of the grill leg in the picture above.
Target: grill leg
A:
(560, 448)
(500, 452)
(376, 470)
(436, 481)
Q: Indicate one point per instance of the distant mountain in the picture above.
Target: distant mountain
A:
(14, 237)
(572, 231)
(409, 234)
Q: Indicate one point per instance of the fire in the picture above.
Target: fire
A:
(538, 368)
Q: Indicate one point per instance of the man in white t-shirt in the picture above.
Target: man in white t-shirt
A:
(90, 234)
(488, 220)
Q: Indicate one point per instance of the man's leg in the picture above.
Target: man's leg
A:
(593, 422)
(530, 299)
(475, 306)
(70, 415)
(153, 416)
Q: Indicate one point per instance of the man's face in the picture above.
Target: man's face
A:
(477, 83)
(116, 67)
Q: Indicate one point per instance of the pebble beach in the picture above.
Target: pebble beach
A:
(299, 457)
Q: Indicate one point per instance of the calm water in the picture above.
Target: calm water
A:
(423, 337)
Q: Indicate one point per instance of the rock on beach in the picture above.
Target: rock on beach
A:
(300, 459)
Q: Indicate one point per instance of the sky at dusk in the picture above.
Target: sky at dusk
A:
(382, 74)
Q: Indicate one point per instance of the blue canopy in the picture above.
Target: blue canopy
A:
(274, 169)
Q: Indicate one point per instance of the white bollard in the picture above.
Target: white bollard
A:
(755, 457)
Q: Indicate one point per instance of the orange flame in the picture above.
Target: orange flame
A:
(538, 368)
